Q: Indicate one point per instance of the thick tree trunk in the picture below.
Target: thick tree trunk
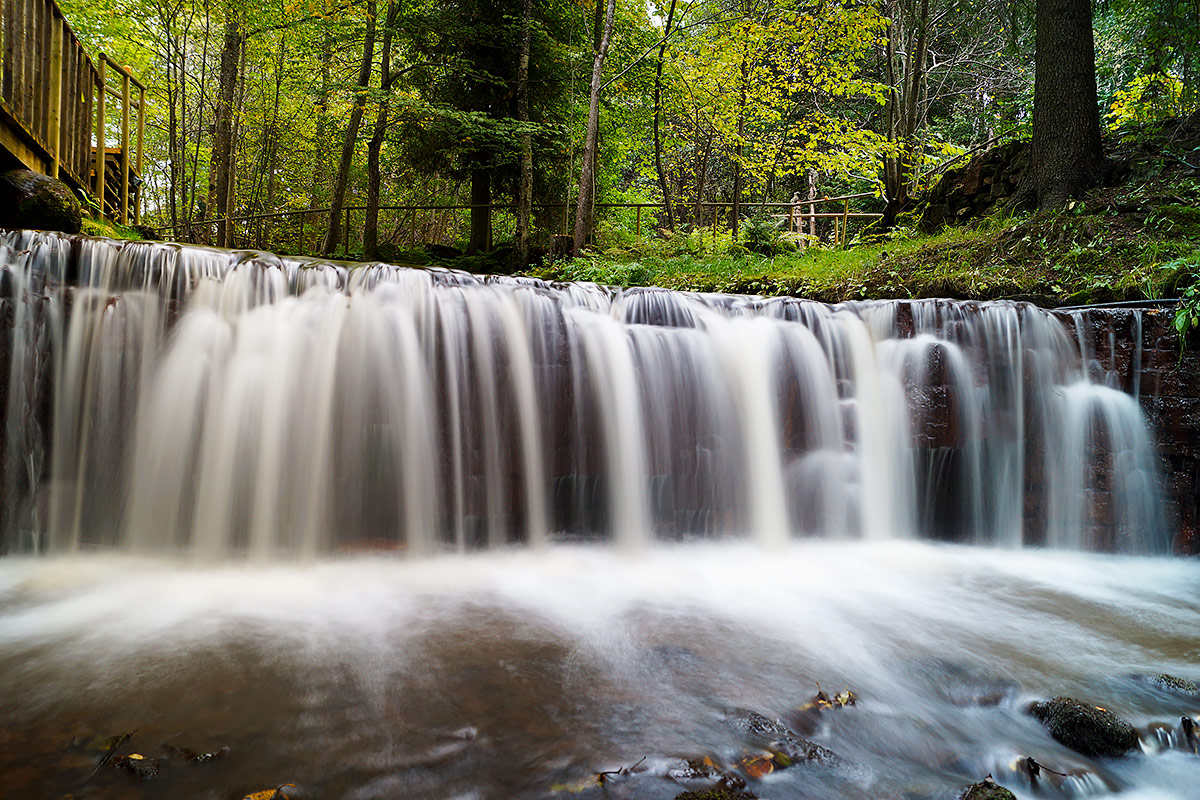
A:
(525, 181)
(481, 212)
(334, 232)
(371, 223)
(1068, 156)
(584, 211)
(658, 164)
(221, 166)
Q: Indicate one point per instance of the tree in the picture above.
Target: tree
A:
(1068, 155)
(333, 230)
(387, 76)
(584, 210)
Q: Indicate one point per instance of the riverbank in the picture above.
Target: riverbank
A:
(1136, 241)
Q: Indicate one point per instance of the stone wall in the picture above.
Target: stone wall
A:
(1137, 350)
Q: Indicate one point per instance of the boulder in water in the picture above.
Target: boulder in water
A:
(1171, 683)
(717, 793)
(1085, 728)
(784, 747)
(986, 789)
(141, 766)
(31, 200)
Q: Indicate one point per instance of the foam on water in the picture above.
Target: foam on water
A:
(614, 657)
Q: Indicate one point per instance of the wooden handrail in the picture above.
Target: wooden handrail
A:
(52, 102)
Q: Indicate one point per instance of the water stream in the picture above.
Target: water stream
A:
(387, 532)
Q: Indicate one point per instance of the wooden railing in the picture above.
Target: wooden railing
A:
(292, 232)
(50, 94)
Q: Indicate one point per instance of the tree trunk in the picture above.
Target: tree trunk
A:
(481, 212)
(318, 193)
(334, 232)
(371, 223)
(584, 211)
(702, 183)
(1068, 156)
(221, 167)
(525, 181)
(658, 165)
(737, 158)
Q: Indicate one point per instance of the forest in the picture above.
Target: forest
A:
(541, 124)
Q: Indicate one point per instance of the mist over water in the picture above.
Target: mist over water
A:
(387, 532)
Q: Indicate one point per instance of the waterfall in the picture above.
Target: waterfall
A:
(165, 398)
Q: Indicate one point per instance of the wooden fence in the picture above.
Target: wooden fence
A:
(301, 232)
(52, 102)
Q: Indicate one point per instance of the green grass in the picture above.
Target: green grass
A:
(112, 230)
(1128, 244)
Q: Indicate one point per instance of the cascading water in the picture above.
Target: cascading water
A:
(213, 449)
(239, 403)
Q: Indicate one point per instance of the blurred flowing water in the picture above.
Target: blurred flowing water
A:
(393, 532)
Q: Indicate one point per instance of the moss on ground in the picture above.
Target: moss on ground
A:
(112, 230)
(1137, 241)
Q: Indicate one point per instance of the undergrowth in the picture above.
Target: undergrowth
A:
(1134, 242)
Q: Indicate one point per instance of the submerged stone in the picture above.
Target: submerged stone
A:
(785, 746)
(1171, 683)
(717, 793)
(139, 765)
(987, 789)
(1085, 728)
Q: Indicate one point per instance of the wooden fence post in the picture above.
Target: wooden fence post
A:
(125, 93)
(846, 224)
(141, 138)
(101, 148)
(54, 117)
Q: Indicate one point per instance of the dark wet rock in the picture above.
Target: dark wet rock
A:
(790, 750)
(1191, 737)
(785, 746)
(987, 789)
(196, 756)
(755, 724)
(694, 769)
(717, 793)
(31, 200)
(1085, 728)
(1171, 683)
(141, 766)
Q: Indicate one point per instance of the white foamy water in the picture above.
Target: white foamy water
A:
(579, 659)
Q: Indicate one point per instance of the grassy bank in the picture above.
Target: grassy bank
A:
(1137, 241)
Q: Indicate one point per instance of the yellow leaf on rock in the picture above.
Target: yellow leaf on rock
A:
(757, 766)
(271, 794)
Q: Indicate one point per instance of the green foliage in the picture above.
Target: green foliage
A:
(760, 234)
(1175, 221)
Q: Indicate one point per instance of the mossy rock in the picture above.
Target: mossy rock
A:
(1085, 728)
(31, 200)
(717, 793)
(987, 789)
(1171, 683)
(1176, 221)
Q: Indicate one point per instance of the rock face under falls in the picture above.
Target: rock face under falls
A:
(161, 397)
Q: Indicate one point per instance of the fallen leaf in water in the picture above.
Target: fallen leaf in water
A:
(271, 794)
(578, 786)
(758, 766)
(845, 698)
